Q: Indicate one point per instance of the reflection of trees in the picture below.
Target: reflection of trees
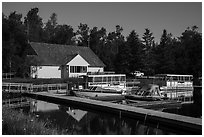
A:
(75, 121)
(107, 124)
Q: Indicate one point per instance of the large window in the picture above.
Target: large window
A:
(78, 69)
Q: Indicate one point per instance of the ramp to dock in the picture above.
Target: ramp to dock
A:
(179, 122)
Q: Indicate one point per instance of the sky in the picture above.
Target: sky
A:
(175, 17)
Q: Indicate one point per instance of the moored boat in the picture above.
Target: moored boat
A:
(149, 92)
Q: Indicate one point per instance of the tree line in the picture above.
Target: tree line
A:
(182, 55)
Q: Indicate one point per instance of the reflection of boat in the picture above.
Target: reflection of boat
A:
(150, 92)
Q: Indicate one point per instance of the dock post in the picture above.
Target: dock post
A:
(67, 89)
(60, 87)
(145, 118)
(21, 88)
(57, 88)
(9, 103)
(9, 87)
(157, 128)
(176, 92)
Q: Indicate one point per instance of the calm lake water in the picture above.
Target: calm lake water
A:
(78, 121)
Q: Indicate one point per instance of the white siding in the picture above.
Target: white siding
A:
(76, 74)
(77, 61)
(95, 69)
(47, 72)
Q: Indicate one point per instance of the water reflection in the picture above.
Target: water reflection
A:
(72, 120)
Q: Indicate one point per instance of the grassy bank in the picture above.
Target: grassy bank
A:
(17, 123)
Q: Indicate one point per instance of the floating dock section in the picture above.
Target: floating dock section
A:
(171, 121)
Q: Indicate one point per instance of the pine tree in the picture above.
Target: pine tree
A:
(136, 52)
(33, 23)
(148, 41)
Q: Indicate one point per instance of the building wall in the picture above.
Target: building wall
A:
(64, 71)
(95, 69)
(46, 72)
(77, 61)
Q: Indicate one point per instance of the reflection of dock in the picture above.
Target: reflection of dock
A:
(155, 105)
(179, 122)
(15, 103)
(29, 87)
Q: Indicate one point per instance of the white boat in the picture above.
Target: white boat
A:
(110, 81)
(175, 85)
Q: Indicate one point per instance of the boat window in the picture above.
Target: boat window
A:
(122, 78)
(109, 79)
(90, 88)
(187, 78)
(94, 88)
(117, 78)
(168, 78)
(104, 79)
(175, 78)
(112, 78)
(90, 79)
(98, 79)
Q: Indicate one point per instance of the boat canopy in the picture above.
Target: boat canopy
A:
(149, 90)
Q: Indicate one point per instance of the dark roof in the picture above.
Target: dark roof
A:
(55, 54)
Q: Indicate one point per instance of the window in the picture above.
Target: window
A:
(78, 69)
(122, 78)
(175, 78)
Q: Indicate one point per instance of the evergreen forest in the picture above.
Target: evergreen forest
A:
(181, 55)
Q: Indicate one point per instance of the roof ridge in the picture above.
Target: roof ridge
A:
(60, 44)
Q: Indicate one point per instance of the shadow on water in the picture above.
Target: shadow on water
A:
(72, 120)
(191, 110)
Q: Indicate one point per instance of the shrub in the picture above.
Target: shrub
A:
(17, 123)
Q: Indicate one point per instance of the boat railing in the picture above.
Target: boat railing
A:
(100, 73)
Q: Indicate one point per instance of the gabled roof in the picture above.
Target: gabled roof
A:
(55, 54)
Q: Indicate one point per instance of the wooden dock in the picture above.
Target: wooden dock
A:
(187, 124)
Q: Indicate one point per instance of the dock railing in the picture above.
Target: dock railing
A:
(29, 87)
(8, 75)
(17, 87)
(50, 87)
(15, 102)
